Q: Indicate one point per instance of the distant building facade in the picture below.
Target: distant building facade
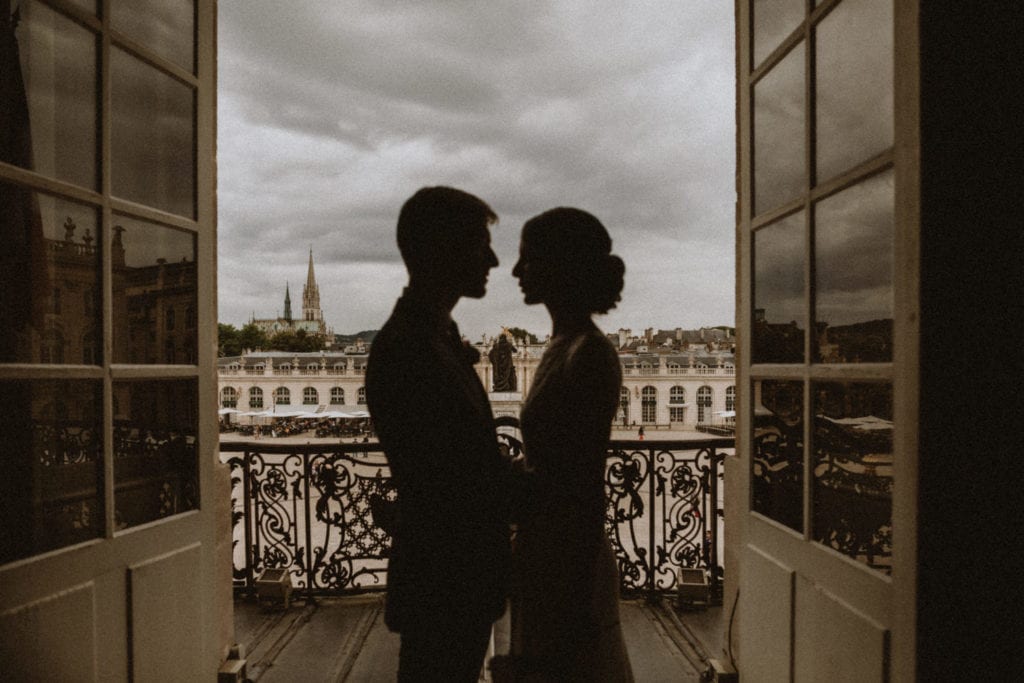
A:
(684, 379)
(681, 379)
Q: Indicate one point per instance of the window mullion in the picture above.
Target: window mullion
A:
(106, 221)
(809, 271)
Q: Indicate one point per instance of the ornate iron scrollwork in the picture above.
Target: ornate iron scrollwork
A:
(355, 546)
(325, 515)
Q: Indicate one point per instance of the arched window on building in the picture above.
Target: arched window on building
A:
(255, 397)
(282, 397)
(704, 397)
(337, 396)
(730, 398)
(361, 396)
(677, 404)
(169, 319)
(310, 397)
(228, 397)
(649, 405)
(624, 405)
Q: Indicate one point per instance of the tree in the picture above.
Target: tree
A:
(296, 341)
(232, 342)
(227, 340)
(252, 337)
(520, 333)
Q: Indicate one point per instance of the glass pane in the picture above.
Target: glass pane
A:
(152, 137)
(777, 480)
(852, 489)
(155, 454)
(773, 21)
(779, 165)
(51, 493)
(853, 273)
(155, 293)
(89, 5)
(780, 301)
(854, 79)
(167, 27)
(57, 60)
(51, 311)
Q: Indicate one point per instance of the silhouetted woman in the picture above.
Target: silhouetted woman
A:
(565, 592)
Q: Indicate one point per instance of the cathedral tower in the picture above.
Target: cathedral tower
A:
(311, 295)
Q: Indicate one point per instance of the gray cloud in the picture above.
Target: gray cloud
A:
(332, 114)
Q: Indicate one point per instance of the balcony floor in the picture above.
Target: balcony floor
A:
(344, 639)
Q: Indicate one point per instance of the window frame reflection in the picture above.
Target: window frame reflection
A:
(765, 148)
(56, 444)
(758, 215)
(869, 338)
(139, 88)
(156, 450)
(155, 276)
(85, 354)
(878, 102)
(57, 256)
(135, 20)
(766, 39)
(62, 138)
(777, 340)
(779, 453)
(852, 482)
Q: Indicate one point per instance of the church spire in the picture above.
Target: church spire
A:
(287, 303)
(310, 278)
(311, 295)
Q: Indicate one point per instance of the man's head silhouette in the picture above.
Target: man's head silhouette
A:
(445, 242)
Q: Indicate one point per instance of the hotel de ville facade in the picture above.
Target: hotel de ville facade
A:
(878, 272)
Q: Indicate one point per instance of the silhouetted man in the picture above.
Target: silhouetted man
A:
(448, 568)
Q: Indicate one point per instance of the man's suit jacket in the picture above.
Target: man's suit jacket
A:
(450, 552)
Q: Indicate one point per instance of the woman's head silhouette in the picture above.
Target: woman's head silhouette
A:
(565, 261)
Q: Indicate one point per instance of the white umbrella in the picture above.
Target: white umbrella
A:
(335, 414)
(286, 411)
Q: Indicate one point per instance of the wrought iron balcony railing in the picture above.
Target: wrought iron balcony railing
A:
(316, 509)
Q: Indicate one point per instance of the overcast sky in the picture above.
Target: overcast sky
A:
(332, 113)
